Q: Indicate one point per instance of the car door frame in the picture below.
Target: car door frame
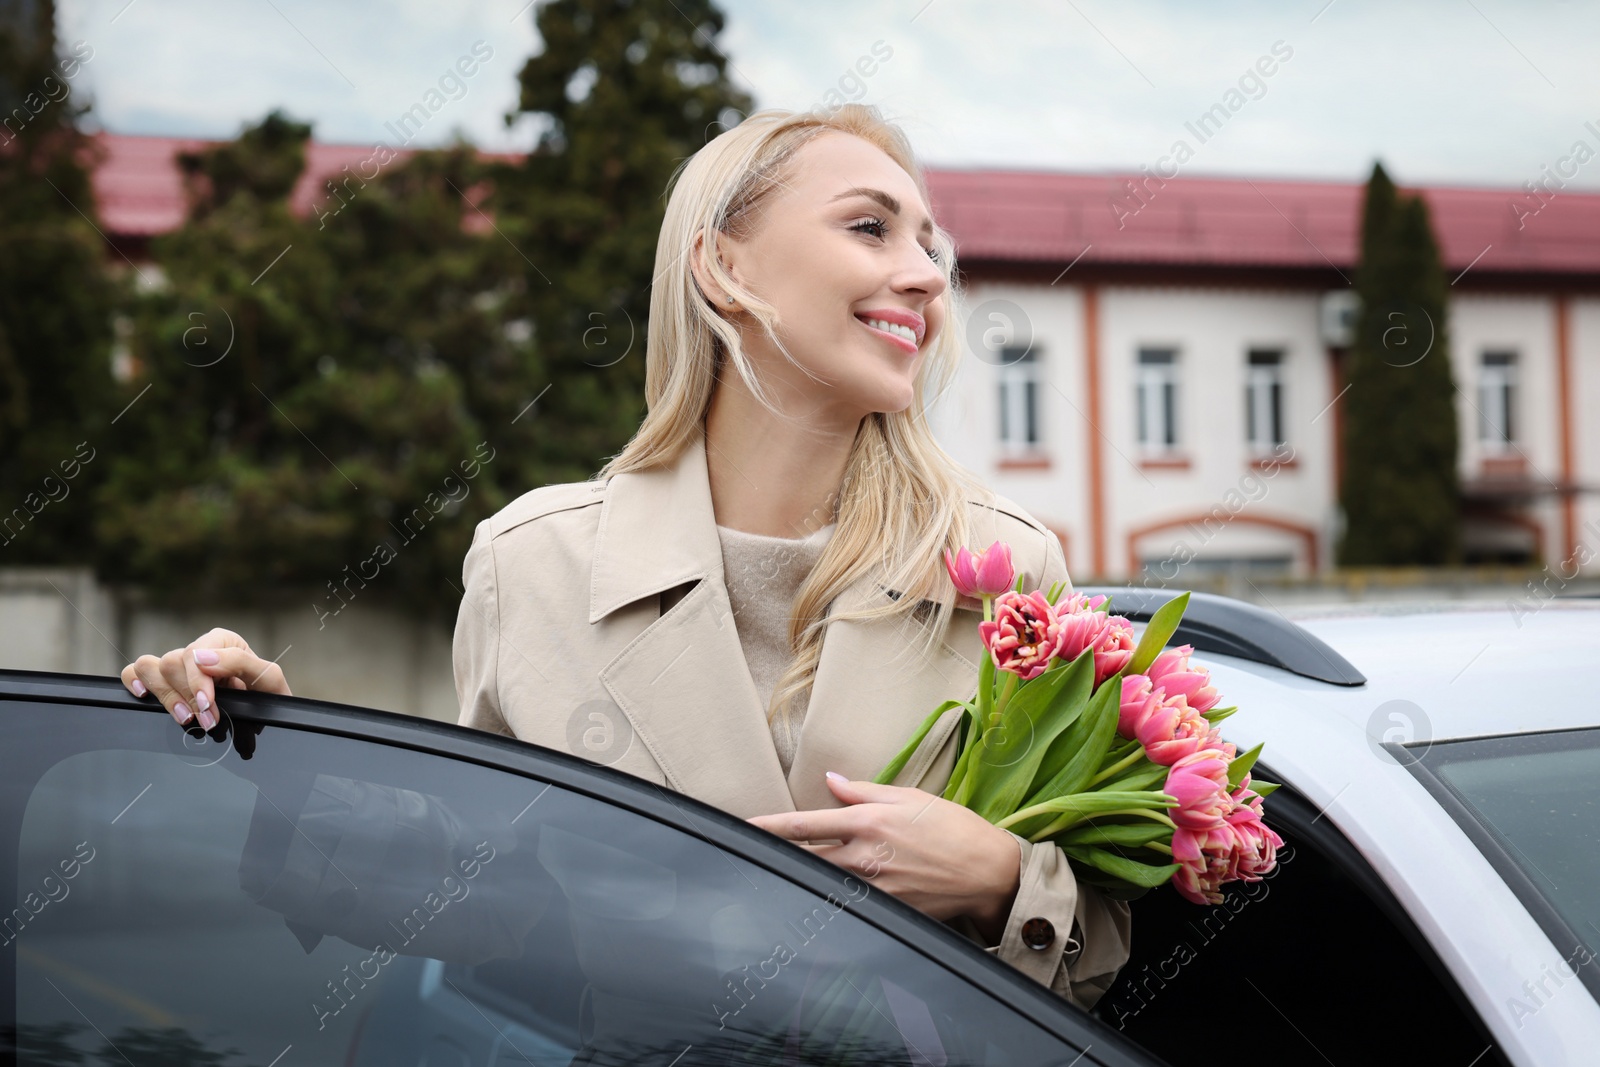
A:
(1291, 810)
(938, 943)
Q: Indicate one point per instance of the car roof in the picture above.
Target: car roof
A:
(1473, 668)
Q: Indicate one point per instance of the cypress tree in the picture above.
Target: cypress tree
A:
(57, 296)
(625, 90)
(1400, 492)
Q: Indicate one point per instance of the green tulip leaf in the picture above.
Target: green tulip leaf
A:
(1139, 874)
(1216, 715)
(896, 765)
(1240, 765)
(1127, 835)
(983, 703)
(1125, 749)
(1007, 757)
(1261, 787)
(1068, 810)
(1162, 625)
(1142, 776)
(1078, 752)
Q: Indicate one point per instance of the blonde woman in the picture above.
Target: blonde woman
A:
(749, 602)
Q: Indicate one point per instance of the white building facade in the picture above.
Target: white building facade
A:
(1170, 401)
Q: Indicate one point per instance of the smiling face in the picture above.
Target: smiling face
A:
(846, 240)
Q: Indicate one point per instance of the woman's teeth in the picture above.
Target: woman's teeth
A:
(893, 327)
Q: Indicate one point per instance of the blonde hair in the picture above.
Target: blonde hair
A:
(902, 496)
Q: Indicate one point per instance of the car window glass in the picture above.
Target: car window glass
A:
(1538, 797)
(337, 901)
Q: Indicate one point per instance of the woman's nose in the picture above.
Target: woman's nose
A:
(921, 274)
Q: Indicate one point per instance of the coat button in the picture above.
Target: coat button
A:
(1038, 933)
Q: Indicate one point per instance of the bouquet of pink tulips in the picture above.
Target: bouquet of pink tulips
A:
(1110, 750)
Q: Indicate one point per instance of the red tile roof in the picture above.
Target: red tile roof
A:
(1030, 216)
(1045, 217)
(139, 188)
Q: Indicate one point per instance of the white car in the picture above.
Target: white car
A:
(1441, 886)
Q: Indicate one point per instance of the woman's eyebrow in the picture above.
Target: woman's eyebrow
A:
(890, 204)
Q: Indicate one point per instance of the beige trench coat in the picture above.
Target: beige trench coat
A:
(603, 603)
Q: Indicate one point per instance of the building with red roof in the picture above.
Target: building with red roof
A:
(1154, 363)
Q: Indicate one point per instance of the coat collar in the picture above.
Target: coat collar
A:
(683, 682)
(657, 530)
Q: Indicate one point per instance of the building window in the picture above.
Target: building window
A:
(1497, 401)
(1263, 400)
(1020, 383)
(1157, 399)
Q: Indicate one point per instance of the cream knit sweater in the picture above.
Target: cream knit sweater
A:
(763, 574)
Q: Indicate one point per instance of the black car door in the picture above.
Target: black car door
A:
(317, 884)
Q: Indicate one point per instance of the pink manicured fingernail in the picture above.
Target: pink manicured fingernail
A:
(181, 710)
(208, 719)
(206, 656)
(203, 701)
(837, 777)
(138, 688)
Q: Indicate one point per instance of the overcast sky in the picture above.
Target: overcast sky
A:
(1466, 92)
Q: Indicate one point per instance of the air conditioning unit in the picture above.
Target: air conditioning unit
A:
(1338, 317)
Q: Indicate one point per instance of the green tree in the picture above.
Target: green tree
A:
(1400, 492)
(322, 400)
(625, 92)
(56, 300)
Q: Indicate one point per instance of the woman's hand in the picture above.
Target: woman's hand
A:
(941, 858)
(185, 679)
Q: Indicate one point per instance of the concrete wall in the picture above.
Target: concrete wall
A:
(61, 619)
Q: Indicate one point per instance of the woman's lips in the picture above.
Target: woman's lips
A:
(899, 342)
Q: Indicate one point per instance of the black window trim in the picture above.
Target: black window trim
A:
(1102, 1043)
(1289, 810)
(1414, 757)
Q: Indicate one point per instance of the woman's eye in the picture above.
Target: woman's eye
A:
(882, 228)
(872, 224)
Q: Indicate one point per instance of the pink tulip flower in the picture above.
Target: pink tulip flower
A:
(1255, 846)
(1024, 635)
(1082, 626)
(1171, 671)
(1080, 602)
(980, 574)
(1171, 730)
(1205, 859)
(1199, 783)
(1114, 648)
(1137, 701)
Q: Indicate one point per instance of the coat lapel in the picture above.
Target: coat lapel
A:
(869, 695)
(683, 682)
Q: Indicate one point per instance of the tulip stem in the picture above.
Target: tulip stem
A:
(1121, 765)
(952, 789)
(1159, 847)
(1068, 821)
(1008, 686)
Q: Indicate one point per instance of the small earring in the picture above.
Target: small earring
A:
(730, 299)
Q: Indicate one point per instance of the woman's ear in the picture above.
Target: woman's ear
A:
(718, 296)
